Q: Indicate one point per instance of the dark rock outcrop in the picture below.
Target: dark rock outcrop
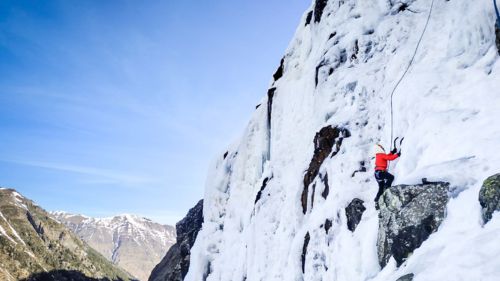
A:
(319, 7)
(309, 18)
(279, 72)
(489, 197)
(325, 141)
(497, 33)
(355, 50)
(326, 190)
(402, 7)
(259, 194)
(328, 225)
(409, 214)
(354, 211)
(307, 238)
(175, 264)
(270, 96)
(407, 277)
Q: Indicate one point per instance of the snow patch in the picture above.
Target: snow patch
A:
(14, 232)
(30, 254)
(4, 233)
(18, 198)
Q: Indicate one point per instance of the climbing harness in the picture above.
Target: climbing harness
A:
(408, 68)
(498, 14)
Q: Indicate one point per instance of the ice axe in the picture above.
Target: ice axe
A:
(400, 142)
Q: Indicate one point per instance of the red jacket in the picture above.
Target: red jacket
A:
(381, 160)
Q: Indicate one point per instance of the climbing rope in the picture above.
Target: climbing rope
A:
(408, 68)
(498, 14)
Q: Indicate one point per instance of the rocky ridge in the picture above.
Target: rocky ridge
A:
(175, 265)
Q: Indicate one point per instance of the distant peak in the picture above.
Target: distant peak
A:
(67, 214)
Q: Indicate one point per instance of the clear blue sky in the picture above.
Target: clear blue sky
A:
(110, 107)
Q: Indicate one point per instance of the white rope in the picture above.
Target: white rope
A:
(407, 69)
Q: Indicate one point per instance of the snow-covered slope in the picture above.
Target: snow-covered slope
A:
(268, 198)
(135, 243)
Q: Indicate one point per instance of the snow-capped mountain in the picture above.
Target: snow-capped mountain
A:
(134, 243)
(293, 199)
(34, 246)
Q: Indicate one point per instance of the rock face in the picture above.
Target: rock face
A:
(497, 33)
(328, 139)
(134, 243)
(489, 197)
(354, 212)
(175, 265)
(31, 242)
(307, 239)
(407, 277)
(409, 214)
(319, 6)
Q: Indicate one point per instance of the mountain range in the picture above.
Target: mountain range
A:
(134, 243)
(34, 246)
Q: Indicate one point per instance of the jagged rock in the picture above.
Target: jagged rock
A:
(169, 268)
(175, 265)
(307, 238)
(325, 141)
(489, 197)
(309, 18)
(312, 195)
(399, 7)
(319, 7)
(270, 96)
(259, 194)
(354, 211)
(497, 33)
(355, 50)
(407, 277)
(328, 225)
(326, 190)
(409, 214)
(279, 72)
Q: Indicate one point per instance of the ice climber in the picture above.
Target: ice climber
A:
(383, 177)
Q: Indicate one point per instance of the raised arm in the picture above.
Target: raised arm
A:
(391, 156)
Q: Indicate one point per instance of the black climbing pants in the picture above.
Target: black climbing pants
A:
(384, 180)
